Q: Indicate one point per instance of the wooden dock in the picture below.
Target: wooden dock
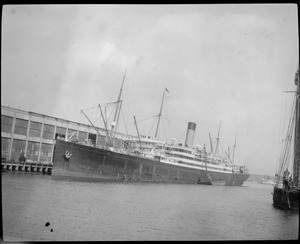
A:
(35, 167)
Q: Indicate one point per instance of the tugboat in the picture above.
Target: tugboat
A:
(286, 194)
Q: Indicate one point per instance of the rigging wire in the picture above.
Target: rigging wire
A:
(89, 108)
(147, 118)
(111, 111)
(95, 120)
(125, 124)
(125, 108)
(166, 118)
(153, 124)
(169, 124)
(165, 131)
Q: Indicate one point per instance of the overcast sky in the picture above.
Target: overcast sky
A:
(220, 63)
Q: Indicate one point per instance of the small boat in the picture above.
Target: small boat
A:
(266, 181)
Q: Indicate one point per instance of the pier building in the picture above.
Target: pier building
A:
(34, 134)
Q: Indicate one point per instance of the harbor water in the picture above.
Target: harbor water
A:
(97, 211)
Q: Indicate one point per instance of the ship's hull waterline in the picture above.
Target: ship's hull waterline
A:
(91, 163)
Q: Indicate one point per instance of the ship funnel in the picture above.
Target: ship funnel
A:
(190, 133)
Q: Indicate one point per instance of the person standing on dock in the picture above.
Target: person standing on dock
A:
(22, 157)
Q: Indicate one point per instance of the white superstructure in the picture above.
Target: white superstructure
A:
(177, 154)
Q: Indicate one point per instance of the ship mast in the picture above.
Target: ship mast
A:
(94, 127)
(114, 124)
(137, 130)
(234, 147)
(205, 160)
(159, 115)
(229, 153)
(105, 124)
(211, 145)
(218, 139)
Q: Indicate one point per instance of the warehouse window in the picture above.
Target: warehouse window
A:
(21, 126)
(18, 146)
(33, 150)
(35, 129)
(46, 152)
(5, 147)
(48, 132)
(46, 149)
(6, 123)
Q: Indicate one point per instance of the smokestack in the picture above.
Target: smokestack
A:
(190, 133)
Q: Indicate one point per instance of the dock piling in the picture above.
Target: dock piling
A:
(12, 166)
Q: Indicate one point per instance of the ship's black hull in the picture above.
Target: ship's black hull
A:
(286, 199)
(91, 163)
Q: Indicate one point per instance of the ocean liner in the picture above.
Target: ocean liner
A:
(286, 189)
(144, 159)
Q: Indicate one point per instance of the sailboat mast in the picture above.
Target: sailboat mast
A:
(296, 167)
(159, 115)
